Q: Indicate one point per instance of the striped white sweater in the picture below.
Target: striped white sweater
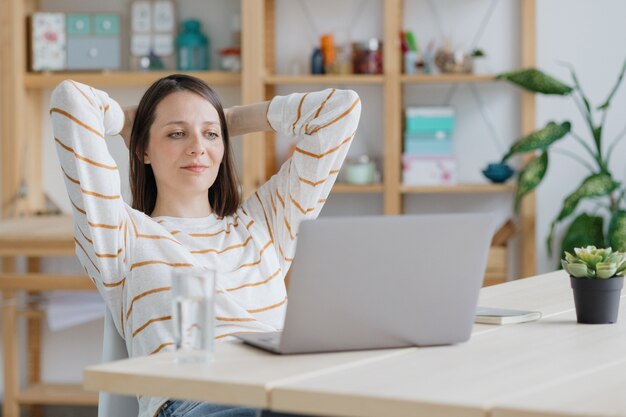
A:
(131, 257)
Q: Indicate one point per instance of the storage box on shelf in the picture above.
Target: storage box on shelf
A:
(428, 157)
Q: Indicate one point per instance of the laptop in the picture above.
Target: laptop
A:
(373, 282)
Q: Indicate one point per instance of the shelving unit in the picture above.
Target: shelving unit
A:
(121, 78)
(323, 79)
(446, 78)
(393, 82)
(21, 107)
(34, 238)
(457, 189)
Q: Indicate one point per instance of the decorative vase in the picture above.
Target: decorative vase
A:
(597, 300)
(480, 65)
(498, 172)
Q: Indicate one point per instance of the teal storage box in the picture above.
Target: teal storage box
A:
(421, 119)
(93, 41)
(78, 24)
(427, 146)
(107, 24)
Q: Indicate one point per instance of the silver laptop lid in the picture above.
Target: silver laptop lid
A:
(386, 281)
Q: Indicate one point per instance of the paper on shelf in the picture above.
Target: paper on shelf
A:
(68, 309)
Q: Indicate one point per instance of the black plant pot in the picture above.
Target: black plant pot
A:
(597, 300)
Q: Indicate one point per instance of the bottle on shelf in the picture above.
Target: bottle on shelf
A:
(317, 62)
(329, 53)
(192, 47)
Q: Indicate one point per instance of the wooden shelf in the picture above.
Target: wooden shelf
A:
(324, 79)
(37, 236)
(353, 188)
(446, 78)
(123, 78)
(45, 282)
(57, 394)
(457, 189)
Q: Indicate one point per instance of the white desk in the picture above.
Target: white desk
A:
(240, 375)
(506, 370)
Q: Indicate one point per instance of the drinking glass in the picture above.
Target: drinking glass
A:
(193, 314)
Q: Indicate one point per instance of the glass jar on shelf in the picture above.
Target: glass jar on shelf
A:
(192, 47)
(367, 57)
(360, 170)
(230, 59)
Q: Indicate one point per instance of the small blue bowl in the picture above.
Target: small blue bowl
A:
(498, 172)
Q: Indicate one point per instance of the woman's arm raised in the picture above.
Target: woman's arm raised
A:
(82, 118)
(247, 119)
(325, 123)
(240, 120)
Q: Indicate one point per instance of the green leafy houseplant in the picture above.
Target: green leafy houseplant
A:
(594, 263)
(585, 229)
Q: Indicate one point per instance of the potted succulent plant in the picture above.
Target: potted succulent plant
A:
(597, 278)
(600, 186)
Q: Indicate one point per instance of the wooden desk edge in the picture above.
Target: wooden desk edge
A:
(95, 378)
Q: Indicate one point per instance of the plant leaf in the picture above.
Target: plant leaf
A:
(536, 81)
(607, 103)
(578, 270)
(539, 139)
(605, 270)
(595, 185)
(530, 177)
(617, 231)
(579, 88)
(585, 230)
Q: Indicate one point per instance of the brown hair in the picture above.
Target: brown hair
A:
(224, 194)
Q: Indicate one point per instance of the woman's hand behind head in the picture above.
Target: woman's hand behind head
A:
(129, 117)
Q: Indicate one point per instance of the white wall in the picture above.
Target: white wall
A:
(587, 33)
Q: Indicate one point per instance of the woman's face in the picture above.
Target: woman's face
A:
(186, 145)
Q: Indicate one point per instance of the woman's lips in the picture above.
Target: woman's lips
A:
(196, 168)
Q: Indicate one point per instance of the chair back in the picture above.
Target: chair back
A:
(114, 348)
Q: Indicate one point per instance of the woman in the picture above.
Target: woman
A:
(186, 208)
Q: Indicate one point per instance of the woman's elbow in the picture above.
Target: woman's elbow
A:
(62, 95)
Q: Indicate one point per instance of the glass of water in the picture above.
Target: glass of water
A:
(193, 314)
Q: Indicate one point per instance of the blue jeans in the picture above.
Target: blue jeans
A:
(176, 408)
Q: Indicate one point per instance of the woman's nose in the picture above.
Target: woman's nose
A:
(195, 146)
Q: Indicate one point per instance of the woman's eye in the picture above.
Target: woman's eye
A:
(212, 135)
(176, 135)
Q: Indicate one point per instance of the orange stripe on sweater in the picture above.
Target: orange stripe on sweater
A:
(77, 121)
(144, 294)
(83, 94)
(271, 307)
(211, 250)
(322, 181)
(114, 284)
(161, 347)
(149, 322)
(321, 155)
(267, 245)
(240, 319)
(267, 223)
(300, 208)
(173, 265)
(82, 158)
(341, 116)
(293, 126)
(255, 284)
(109, 255)
(86, 254)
